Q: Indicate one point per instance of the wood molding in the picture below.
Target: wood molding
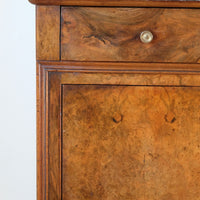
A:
(41, 120)
(48, 33)
(48, 177)
(121, 67)
(126, 3)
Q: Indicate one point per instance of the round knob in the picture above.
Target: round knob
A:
(146, 36)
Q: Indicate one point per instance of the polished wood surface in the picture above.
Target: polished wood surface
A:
(140, 73)
(159, 108)
(41, 119)
(130, 142)
(48, 33)
(124, 67)
(54, 138)
(126, 127)
(138, 3)
(113, 34)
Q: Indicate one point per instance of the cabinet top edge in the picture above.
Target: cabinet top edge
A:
(121, 3)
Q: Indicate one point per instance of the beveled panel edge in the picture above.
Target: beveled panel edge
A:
(125, 3)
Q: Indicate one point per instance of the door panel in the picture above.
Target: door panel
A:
(130, 142)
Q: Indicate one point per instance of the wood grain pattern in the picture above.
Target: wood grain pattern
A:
(138, 3)
(132, 78)
(54, 137)
(140, 86)
(118, 130)
(124, 67)
(48, 135)
(48, 33)
(112, 34)
(152, 152)
(41, 119)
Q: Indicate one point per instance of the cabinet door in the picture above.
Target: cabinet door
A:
(130, 142)
(118, 136)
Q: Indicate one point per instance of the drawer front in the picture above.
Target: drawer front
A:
(113, 34)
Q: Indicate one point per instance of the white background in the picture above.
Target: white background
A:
(17, 101)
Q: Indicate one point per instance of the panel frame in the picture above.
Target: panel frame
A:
(50, 78)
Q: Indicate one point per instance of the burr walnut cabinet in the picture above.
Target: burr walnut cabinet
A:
(118, 99)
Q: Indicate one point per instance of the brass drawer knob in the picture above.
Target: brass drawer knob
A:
(146, 36)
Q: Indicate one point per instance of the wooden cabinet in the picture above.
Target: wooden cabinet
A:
(118, 118)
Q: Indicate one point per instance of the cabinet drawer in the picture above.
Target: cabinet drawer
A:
(113, 34)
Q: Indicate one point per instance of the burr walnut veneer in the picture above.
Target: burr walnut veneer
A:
(118, 100)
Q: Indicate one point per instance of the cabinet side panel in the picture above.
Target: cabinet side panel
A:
(48, 33)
